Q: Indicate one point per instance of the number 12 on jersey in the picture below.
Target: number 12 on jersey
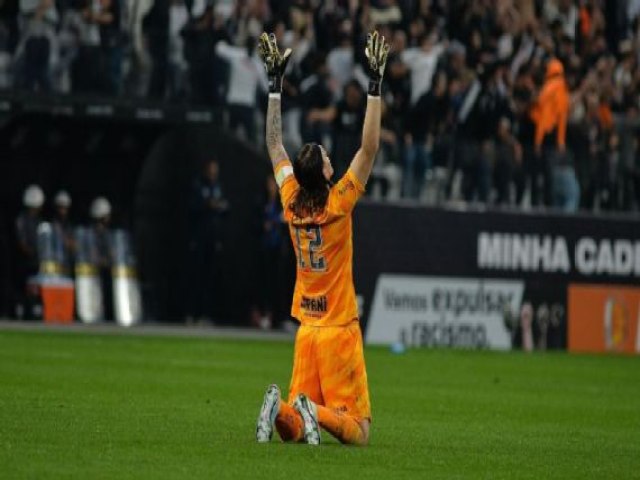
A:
(313, 235)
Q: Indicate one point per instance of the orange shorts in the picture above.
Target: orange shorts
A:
(328, 367)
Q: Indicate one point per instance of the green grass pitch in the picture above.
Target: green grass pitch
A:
(116, 406)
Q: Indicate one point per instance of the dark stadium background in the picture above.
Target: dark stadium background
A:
(146, 170)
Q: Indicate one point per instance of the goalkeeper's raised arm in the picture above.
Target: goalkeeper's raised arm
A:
(376, 52)
(275, 64)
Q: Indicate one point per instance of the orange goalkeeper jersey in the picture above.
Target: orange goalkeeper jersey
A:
(324, 294)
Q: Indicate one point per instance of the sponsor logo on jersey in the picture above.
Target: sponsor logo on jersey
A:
(314, 304)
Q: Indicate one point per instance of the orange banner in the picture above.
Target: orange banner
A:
(604, 319)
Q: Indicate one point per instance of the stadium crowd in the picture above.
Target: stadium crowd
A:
(506, 102)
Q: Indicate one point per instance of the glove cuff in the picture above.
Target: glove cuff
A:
(275, 84)
(374, 88)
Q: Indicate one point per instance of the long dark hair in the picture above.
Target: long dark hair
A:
(314, 188)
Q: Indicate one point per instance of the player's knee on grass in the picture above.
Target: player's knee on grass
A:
(289, 424)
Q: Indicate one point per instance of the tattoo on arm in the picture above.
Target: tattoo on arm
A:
(274, 131)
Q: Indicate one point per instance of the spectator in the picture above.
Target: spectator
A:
(156, 27)
(340, 60)
(347, 126)
(91, 41)
(550, 115)
(422, 62)
(200, 37)
(590, 145)
(37, 49)
(625, 79)
(246, 75)
(456, 67)
(528, 171)
(609, 172)
(101, 214)
(318, 110)
(108, 19)
(68, 43)
(178, 67)
(62, 225)
(27, 261)
(136, 45)
(208, 208)
(27, 226)
(478, 118)
(426, 122)
(397, 93)
(508, 159)
(87, 69)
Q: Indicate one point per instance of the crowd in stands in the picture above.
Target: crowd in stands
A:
(530, 103)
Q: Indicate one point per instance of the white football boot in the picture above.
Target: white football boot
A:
(268, 413)
(309, 413)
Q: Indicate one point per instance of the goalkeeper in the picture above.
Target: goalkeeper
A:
(328, 387)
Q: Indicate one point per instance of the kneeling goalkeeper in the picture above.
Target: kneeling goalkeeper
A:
(329, 382)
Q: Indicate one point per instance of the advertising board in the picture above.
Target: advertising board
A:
(604, 319)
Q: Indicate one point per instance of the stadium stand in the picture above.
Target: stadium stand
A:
(463, 73)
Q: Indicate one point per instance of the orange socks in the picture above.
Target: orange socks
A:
(343, 427)
(289, 423)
